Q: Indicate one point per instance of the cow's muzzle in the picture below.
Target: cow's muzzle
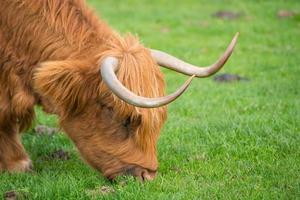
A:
(142, 174)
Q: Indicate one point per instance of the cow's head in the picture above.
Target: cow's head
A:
(113, 106)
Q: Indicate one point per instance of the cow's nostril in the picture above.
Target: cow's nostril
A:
(148, 176)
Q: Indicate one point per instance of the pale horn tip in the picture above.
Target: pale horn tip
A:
(236, 36)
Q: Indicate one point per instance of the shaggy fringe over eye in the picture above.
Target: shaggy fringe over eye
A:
(140, 74)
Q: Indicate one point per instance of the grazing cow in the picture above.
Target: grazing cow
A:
(107, 90)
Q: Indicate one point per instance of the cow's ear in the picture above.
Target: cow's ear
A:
(65, 83)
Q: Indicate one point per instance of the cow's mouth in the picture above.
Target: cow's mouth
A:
(142, 174)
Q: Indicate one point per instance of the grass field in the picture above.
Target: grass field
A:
(237, 140)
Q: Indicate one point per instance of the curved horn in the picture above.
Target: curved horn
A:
(173, 63)
(108, 68)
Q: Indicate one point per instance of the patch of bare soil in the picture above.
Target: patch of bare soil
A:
(45, 130)
(60, 155)
(14, 195)
(228, 78)
(100, 191)
(165, 30)
(198, 157)
(285, 14)
(10, 195)
(176, 169)
(227, 15)
(107, 190)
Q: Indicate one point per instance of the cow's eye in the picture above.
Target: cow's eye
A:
(126, 123)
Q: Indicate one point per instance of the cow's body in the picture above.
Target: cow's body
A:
(51, 53)
(39, 34)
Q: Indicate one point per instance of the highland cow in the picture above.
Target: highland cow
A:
(107, 90)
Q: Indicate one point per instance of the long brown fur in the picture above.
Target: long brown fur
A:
(50, 53)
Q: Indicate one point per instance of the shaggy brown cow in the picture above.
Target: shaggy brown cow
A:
(50, 54)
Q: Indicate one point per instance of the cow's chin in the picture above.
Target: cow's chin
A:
(112, 167)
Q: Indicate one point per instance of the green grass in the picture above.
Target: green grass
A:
(222, 141)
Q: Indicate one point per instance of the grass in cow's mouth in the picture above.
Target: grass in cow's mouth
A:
(221, 141)
(59, 154)
(45, 130)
